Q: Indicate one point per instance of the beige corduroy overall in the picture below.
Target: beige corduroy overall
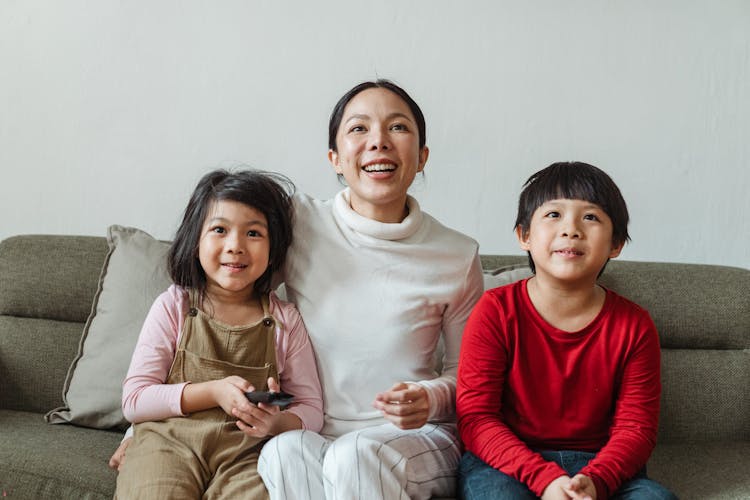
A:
(204, 455)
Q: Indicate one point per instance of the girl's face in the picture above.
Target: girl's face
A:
(234, 248)
(378, 153)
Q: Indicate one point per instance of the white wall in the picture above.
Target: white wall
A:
(110, 110)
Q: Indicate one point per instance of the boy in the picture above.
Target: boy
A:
(558, 378)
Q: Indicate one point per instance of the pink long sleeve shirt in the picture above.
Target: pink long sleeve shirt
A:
(146, 397)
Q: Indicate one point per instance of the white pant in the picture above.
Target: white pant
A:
(381, 462)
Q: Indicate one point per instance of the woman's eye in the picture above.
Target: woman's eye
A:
(399, 127)
(357, 128)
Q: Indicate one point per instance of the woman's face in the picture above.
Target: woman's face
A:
(378, 153)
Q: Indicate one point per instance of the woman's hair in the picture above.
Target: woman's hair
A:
(573, 180)
(268, 192)
(338, 111)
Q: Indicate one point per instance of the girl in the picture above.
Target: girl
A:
(213, 335)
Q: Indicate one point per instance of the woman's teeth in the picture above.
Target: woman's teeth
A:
(379, 167)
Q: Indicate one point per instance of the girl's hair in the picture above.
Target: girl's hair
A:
(267, 192)
(338, 111)
(574, 180)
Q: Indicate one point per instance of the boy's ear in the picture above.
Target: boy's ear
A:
(523, 238)
(333, 157)
(616, 249)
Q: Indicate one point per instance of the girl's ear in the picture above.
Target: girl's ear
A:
(523, 238)
(333, 158)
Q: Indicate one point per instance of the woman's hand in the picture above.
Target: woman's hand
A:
(407, 406)
(265, 420)
(118, 458)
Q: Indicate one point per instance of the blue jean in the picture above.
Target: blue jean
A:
(479, 481)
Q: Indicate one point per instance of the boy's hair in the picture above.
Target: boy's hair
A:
(338, 110)
(573, 180)
(268, 192)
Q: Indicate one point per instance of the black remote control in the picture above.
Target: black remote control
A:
(280, 399)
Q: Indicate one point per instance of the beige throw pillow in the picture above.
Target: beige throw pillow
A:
(505, 275)
(133, 275)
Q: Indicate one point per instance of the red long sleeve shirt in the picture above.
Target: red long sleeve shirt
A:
(525, 385)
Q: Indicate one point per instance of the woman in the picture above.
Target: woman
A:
(378, 282)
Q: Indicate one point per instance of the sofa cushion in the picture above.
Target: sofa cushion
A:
(134, 274)
(42, 461)
(707, 470)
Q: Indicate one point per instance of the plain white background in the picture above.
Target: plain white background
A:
(110, 111)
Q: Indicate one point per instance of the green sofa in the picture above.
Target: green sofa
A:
(48, 283)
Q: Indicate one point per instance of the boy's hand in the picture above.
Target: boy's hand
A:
(265, 420)
(557, 489)
(581, 488)
(406, 406)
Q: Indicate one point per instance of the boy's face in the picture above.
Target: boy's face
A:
(569, 240)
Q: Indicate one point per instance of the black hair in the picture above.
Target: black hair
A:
(338, 111)
(573, 180)
(268, 192)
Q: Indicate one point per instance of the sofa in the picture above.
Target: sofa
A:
(52, 288)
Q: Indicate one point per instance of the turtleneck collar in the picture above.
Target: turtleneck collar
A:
(381, 230)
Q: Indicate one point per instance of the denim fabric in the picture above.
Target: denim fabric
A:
(479, 481)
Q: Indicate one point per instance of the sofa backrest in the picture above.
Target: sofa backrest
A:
(47, 286)
(702, 312)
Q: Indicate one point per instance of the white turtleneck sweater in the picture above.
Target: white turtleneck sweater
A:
(375, 298)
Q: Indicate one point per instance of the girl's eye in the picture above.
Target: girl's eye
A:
(590, 217)
(552, 215)
(253, 233)
(218, 230)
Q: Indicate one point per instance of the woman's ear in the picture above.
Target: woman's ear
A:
(333, 158)
(523, 238)
(424, 153)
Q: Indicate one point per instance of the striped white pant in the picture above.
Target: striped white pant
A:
(381, 462)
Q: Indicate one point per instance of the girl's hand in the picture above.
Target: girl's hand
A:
(265, 420)
(118, 457)
(229, 393)
(406, 406)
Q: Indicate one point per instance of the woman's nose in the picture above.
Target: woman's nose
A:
(378, 139)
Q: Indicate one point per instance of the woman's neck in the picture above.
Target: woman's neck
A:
(393, 213)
